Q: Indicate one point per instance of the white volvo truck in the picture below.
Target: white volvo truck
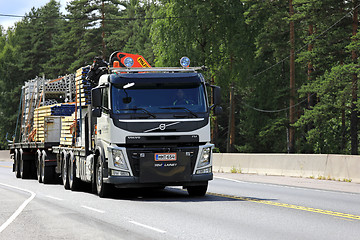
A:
(142, 127)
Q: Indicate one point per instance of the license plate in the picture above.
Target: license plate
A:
(165, 156)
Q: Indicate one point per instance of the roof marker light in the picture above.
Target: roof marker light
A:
(128, 62)
(116, 64)
(185, 62)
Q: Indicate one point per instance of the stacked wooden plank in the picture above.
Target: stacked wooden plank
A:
(83, 87)
(67, 130)
(65, 110)
(39, 117)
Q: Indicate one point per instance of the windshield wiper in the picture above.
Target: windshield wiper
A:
(183, 108)
(142, 109)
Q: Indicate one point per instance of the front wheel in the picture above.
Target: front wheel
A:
(197, 191)
(102, 188)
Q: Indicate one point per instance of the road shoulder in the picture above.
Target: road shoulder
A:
(294, 182)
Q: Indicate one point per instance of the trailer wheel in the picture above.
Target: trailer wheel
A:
(74, 182)
(197, 191)
(101, 187)
(24, 167)
(17, 165)
(64, 172)
(46, 171)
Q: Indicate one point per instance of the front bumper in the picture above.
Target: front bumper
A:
(122, 181)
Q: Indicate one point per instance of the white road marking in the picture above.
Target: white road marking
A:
(148, 227)
(232, 180)
(55, 198)
(93, 209)
(20, 209)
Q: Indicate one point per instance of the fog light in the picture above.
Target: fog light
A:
(204, 170)
(119, 173)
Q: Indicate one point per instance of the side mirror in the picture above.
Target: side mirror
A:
(216, 95)
(96, 97)
(96, 112)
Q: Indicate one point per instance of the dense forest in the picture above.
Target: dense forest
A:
(288, 69)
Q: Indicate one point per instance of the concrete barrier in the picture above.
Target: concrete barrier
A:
(338, 167)
(5, 155)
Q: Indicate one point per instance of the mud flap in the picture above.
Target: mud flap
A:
(165, 167)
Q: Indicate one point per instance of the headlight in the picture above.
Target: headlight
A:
(119, 159)
(205, 157)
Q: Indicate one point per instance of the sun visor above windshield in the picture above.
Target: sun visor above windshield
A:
(156, 78)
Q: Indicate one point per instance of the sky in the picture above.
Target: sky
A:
(21, 7)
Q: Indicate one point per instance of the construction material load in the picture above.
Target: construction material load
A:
(68, 125)
(41, 119)
(43, 98)
(83, 87)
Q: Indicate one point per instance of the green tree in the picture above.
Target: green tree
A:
(330, 77)
(131, 31)
(11, 76)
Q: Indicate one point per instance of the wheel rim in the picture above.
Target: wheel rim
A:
(21, 167)
(16, 163)
(99, 176)
(38, 169)
(42, 169)
(71, 173)
(64, 171)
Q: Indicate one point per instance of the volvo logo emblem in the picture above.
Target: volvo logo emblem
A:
(161, 127)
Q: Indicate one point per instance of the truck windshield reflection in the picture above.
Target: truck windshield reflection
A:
(158, 100)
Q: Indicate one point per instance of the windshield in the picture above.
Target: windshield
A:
(158, 99)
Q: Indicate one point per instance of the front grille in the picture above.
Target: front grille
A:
(135, 155)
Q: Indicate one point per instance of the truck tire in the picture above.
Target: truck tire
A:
(101, 187)
(197, 191)
(17, 164)
(24, 167)
(74, 182)
(47, 172)
(64, 172)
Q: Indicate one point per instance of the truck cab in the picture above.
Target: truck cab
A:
(153, 128)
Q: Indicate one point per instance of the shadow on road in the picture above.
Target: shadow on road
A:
(171, 194)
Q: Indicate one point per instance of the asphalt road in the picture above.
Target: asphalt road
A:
(232, 209)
